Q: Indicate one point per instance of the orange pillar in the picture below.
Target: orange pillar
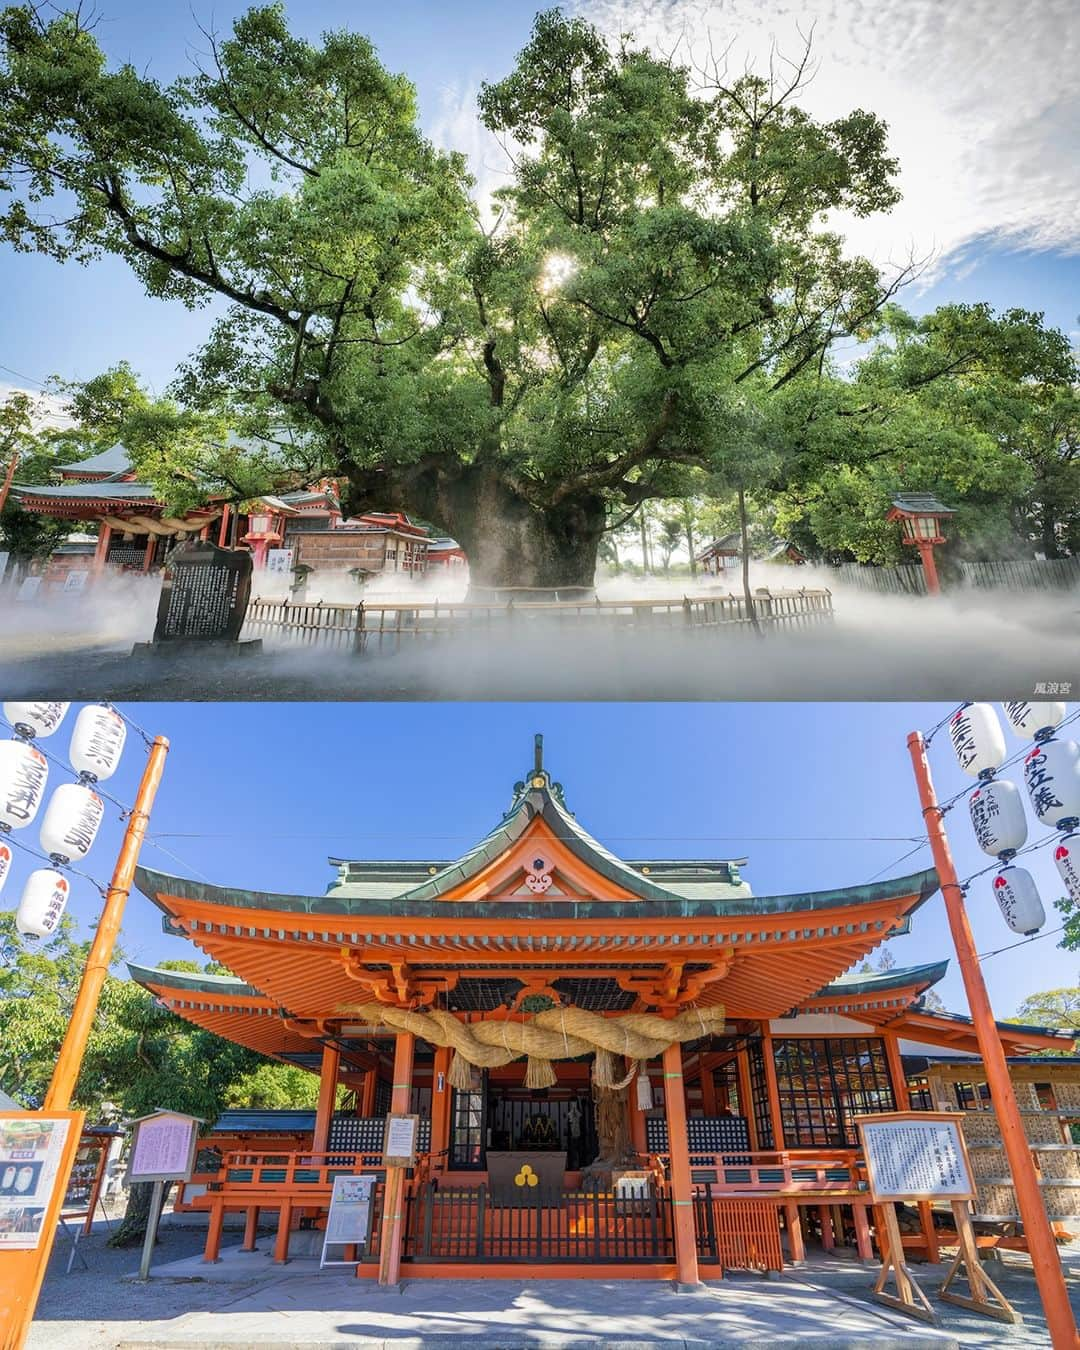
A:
(1040, 1238)
(102, 550)
(926, 553)
(367, 1092)
(772, 1087)
(223, 532)
(69, 1061)
(746, 1098)
(682, 1188)
(9, 478)
(324, 1111)
(393, 1230)
(148, 553)
(896, 1070)
(708, 1087)
(440, 1101)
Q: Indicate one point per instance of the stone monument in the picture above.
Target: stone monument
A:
(204, 598)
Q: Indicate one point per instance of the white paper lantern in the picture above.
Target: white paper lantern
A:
(97, 742)
(977, 739)
(1027, 719)
(44, 899)
(35, 719)
(24, 774)
(1018, 898)
(5, 862)
(1052, 775)
(1067, 858)
(997, 817)
(71, 822)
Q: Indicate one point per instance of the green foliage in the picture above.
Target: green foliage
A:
(661, 271)
(140, 1055)
(1054, 1008)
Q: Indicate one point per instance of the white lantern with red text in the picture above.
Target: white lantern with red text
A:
(997, 817)
(44, 899)
(1052, 775)
(35, 719)
(1018, 898)
(71, 822)
(1029, 720)
(977, 739)
(97, 743)
(5, 862)
(24, 773)
(1067, 858)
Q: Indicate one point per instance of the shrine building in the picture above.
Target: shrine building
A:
(619, 1067)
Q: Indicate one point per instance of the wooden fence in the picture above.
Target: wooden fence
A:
(1024, 574)
(387, 627)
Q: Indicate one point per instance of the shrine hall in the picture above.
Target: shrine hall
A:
(618, 1067)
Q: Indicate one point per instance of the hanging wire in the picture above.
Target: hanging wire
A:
(125, 811)
(928, 736)
(148, 740)
(1024, 942)
(152, 839)
(51, 862)
(923, 843)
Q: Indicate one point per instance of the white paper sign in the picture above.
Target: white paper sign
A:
(75, 581)
(28, 588)
(400, 1141)
(910, 1159)
(162, 1148)
(30, 1153)
(279, 561)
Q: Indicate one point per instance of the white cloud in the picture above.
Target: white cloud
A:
(48, 410)
(982, 101)
(457, 126)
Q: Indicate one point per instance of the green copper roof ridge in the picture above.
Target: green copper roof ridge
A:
(667, 904)
(898, 977)
(198, 981)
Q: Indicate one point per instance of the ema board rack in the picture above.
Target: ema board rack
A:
(1049, 1099)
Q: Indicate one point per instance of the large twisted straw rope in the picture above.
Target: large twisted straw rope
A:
(557, 1033)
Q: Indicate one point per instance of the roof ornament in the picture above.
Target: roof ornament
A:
(538, 753)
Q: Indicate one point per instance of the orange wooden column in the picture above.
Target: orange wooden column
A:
(367, 1092)
(746, 1098)
(393, 1229)
(708, 1087)
(102, 550)
(440, 1101)
(896, 1070)
(772, 1087)
(324, 1111)
(1045, 1260)
(682, 1188)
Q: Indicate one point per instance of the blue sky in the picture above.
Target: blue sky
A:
(815, 795)
(982, 132)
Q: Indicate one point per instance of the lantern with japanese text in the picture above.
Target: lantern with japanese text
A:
(977, 739)
(1067, 858)
(5, 862)
(35, 719)
(1034, 721)
(997, 817)
(44, 899)
(1052, 775)
(97, 742)
(1018, 899)
(24, 773)
(71, 822)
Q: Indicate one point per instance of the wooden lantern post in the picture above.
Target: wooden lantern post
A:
(1037, 1229)
(921, 515)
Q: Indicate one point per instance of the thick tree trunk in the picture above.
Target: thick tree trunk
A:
(748, 595)
(511, 545)
(132, 1227)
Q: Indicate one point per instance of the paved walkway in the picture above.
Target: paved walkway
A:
(247, 1301)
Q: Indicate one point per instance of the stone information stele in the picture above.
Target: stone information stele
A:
(204, 594)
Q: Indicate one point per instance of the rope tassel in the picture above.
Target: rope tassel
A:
(644, 1087)
(461, 1073)
(539, 1073)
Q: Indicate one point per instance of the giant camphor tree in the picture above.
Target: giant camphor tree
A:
(661, 259)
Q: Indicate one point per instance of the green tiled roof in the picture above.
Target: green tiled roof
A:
(880, 981)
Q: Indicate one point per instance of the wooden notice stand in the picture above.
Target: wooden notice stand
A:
(921, 1156)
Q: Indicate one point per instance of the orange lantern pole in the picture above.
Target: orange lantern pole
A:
(1037, 1230)
(9, 478)
(69, 1062)
(926, 553)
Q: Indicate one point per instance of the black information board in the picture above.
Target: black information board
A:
(204, 594)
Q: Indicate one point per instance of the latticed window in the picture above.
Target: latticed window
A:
(759, 1089)
(824, 1083)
